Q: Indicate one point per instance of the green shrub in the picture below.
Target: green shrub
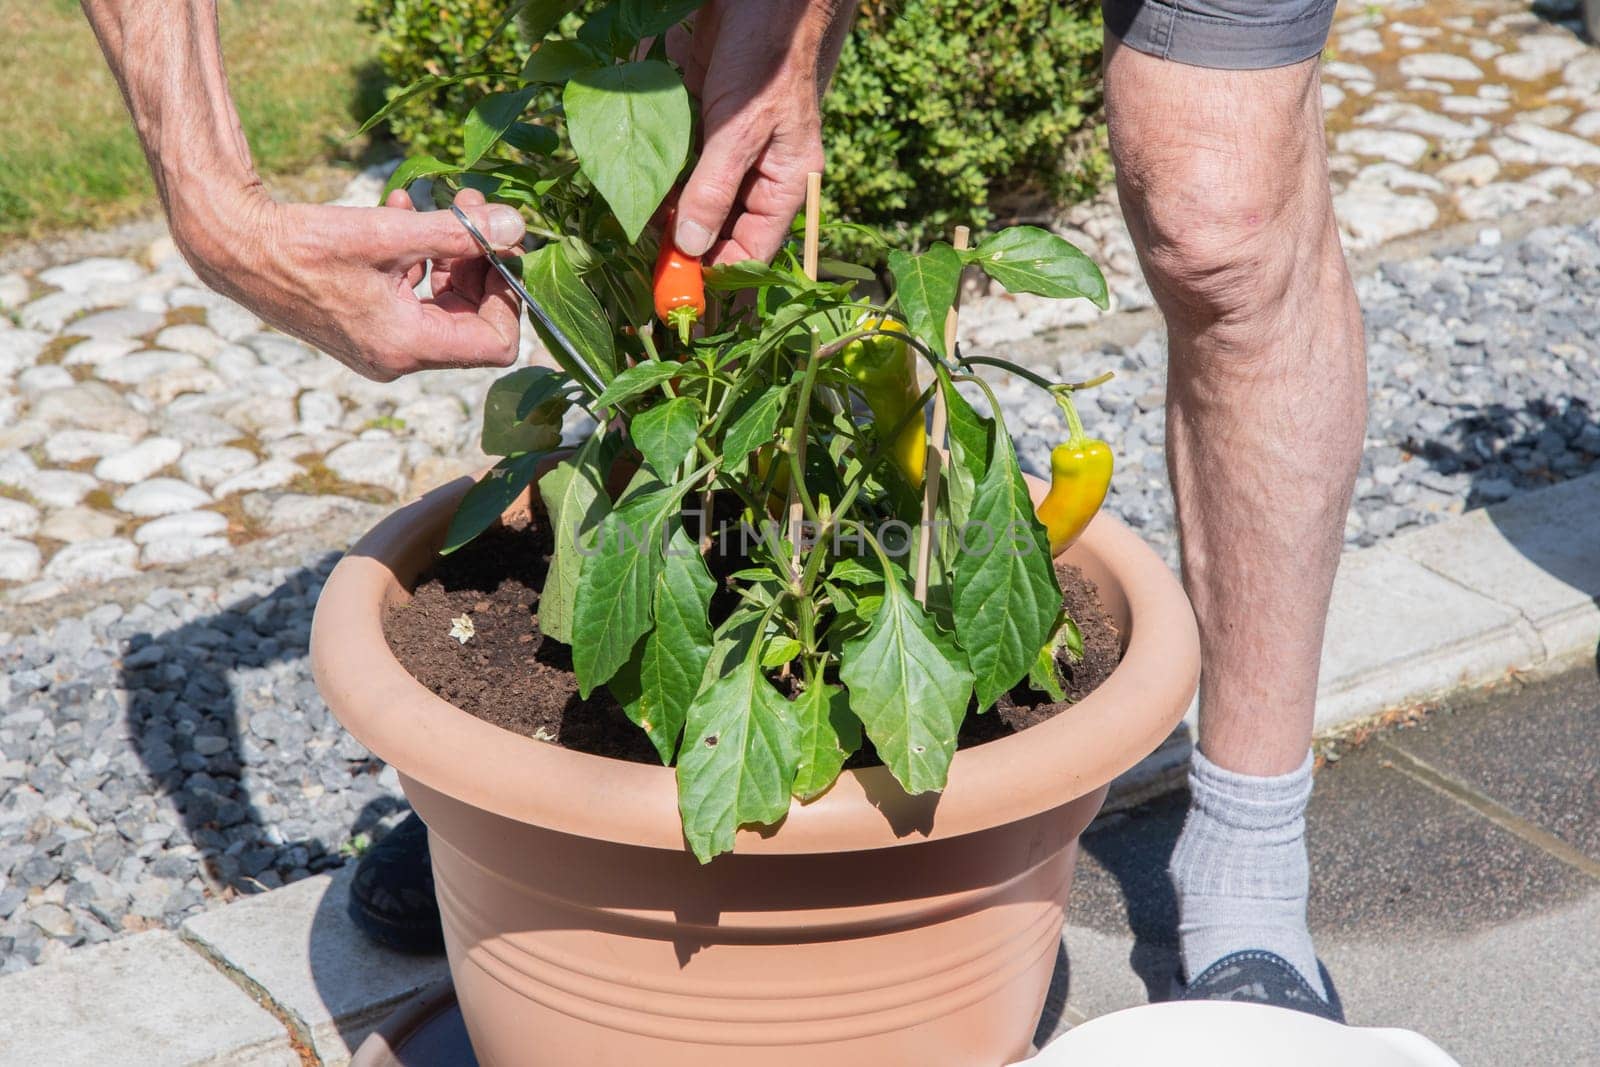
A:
(421, 37)
(938, 105)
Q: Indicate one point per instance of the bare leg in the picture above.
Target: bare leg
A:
(1224, 183)
(1223, 178)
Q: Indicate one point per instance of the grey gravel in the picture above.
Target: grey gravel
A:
(1484, 368)
(167, 756)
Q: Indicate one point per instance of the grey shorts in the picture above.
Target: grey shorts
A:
(1222, 34)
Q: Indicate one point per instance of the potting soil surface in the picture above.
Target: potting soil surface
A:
(508, 674)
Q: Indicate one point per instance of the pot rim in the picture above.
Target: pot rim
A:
(1002, 781)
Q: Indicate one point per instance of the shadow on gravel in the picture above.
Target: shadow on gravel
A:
(1541, 447)
(228, 723)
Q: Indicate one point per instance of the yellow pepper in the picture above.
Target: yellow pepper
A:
(1080, 474)
(885, 370)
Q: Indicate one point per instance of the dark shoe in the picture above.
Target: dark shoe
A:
(1262, 978)
(391, 896)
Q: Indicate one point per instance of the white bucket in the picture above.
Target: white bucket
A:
(1215, 1033)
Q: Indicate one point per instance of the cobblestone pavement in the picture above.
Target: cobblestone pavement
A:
(1437, 113)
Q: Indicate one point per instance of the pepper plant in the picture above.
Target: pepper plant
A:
(755, 597)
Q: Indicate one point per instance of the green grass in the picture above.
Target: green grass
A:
(301, 72)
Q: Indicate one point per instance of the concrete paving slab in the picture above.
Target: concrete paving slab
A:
(300, 949)
(1429, 916)
(1538, 554)
(1522, 992)
(1534, 750)
(1393, 859)
(1398, 632)
(146, 999)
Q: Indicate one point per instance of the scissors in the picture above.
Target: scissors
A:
(533, 307)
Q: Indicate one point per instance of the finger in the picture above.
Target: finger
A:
(771, 199)
(401, 239)
(400, 200)
(449, 332)
(708, 198)
(466, 275)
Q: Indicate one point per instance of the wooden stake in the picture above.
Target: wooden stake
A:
(809, 262)
(813, 231)
(937, 434)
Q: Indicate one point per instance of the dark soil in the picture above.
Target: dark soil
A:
(509, 675)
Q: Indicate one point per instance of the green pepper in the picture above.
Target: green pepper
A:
(884, 369)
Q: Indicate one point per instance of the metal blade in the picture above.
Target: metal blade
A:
(532, 305)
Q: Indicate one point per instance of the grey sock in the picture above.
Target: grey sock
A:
(1240, 868)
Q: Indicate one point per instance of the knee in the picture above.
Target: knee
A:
(1224, 235)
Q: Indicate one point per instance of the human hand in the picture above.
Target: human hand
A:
(343, 279)
(757, 67)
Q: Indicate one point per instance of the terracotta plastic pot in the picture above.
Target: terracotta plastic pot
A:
(870, 928)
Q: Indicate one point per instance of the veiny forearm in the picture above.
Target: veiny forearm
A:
(167, 57)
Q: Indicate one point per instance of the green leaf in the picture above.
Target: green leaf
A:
(655, 690)
(909, 685)
(425, 84)
(535, 140)
(1044, 675)
(536, 18)
(779, 651)
(414, 168)
(927, 286)
(839, 268)
(575, 500)
(665, 434)
(550, 279)
(755, 426)
(1026, 259)
(1071, 637)
(969, 450)
(646, 18)
(617, 585)
(486, 501)
(738, 760)
(749, 274)
(829, 733)
(1006, 598)
(639, 378)
(853, 571)
(629, 125)
(557, 62)
(512, 418)
(488, 119)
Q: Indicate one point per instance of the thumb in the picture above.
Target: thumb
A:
(407, 237)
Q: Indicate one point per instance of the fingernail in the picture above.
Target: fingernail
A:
(505, 226)
(692, 238)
